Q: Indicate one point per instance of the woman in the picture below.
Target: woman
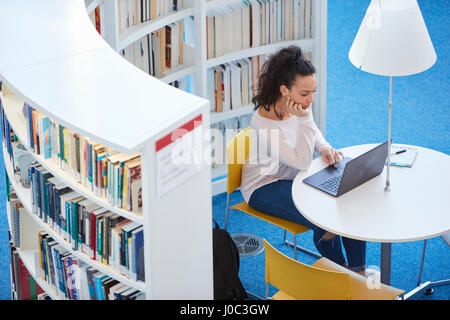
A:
(283, 123)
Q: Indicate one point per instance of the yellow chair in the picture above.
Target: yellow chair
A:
(237, 152)
(323, 280)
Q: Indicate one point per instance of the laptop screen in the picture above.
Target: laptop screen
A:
(363, 168)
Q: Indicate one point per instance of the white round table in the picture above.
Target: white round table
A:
(416, 208)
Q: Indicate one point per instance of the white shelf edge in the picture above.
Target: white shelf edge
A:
(178, 73)
(11, 113)
(137, 32)
(225, 115)
(68, 125)
(305, 44)
(186, 69)
(24, 196)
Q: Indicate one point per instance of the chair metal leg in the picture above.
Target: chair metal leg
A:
(421, 262)
(227, 211)
(295, 246)
(304, 250)
(427, 287)
(411, 294)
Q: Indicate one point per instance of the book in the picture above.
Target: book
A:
(137, 269)
(114, 289)
(94, 216)
(210, 43)
(98, 278)
(46, 137)
(134, 185)
(90, 282)
(126, 255)
(404, 159)
(64, 219)
(235, 82)
(86, 206)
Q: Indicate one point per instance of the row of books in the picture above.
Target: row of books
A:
(252, 23)
(69, 277)
(159, 52)
(135, 12)
(73, 279)
(107, 173)
(232, 85)
(24, 286)
(99, 233)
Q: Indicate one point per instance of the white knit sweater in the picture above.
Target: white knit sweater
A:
(285, 147)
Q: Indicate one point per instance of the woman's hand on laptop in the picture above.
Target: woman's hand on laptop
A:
(332, 156)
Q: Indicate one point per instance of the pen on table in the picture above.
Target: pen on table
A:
(398, 152)
(393, 164)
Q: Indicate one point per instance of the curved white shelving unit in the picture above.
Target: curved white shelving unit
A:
(24, 196)
(18, 123)
(85, 114)
(225, 115)
(135, 33)
(178, 73)
(57, 63)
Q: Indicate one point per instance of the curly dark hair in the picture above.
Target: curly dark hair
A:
(282, 68)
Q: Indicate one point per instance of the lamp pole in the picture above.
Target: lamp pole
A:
(388, 176)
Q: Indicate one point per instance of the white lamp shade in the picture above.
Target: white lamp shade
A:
(392, 40)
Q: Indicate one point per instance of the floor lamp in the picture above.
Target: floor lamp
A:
(392, 40)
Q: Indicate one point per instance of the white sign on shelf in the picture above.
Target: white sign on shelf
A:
(178, 156)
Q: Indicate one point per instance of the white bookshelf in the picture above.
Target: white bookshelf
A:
(66, 71)
(134, 33)
(199, 64)
(28, 250)
(18, 124)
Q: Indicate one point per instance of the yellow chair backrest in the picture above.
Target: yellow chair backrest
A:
(304, 282)
(237, 153)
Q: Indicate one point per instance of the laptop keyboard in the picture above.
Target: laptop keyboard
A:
(332, 184)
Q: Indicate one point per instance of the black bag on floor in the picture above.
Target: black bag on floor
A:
(227, 285)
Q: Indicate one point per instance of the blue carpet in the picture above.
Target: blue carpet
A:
(356, 113)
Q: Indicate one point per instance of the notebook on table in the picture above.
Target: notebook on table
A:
(404, 159)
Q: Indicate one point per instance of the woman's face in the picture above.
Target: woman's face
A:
(303, 89)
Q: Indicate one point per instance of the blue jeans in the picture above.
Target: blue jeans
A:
(276, 199)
